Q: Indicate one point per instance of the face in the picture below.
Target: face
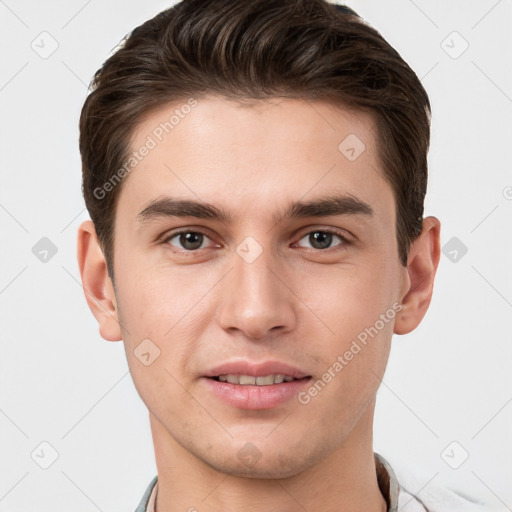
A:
(286, 267)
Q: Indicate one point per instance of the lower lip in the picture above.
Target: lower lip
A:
(256, 397)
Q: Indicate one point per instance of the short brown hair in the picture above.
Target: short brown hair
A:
(256, 49)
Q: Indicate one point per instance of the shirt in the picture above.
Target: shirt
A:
(396, 498)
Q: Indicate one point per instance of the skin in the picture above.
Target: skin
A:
(295, 303)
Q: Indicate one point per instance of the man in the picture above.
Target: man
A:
(255, 173)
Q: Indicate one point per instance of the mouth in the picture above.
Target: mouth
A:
(256, 385)
(253, 380)
(255, 373)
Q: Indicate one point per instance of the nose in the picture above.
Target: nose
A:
(257, 300)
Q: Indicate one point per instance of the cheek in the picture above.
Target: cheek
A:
(356, 303)
(153, 298)
(162, 311)
(350, 299)
(156, 317)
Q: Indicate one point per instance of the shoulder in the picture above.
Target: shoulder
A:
(407, 491)
(146, 504)
(427, 495)
(437, 499)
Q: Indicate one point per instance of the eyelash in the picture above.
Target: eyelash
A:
(344, 240)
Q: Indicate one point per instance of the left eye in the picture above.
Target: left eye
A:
(189, 240)
(322, 239)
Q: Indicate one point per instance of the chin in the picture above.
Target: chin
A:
(273, 465)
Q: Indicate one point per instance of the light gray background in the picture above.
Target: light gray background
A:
(62, 384)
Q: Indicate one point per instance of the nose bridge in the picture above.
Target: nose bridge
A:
(254, 272)
(255, 300)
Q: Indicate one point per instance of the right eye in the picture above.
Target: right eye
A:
(186, 240)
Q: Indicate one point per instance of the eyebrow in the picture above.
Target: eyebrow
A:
(323, 207)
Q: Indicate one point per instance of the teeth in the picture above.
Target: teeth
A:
(250, 380)
(247, 379)
(233, 379)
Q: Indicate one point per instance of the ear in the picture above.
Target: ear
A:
(98, 287)
(422, 265)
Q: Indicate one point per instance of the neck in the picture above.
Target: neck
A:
(344, 480)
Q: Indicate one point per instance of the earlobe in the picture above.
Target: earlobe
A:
(98, 287)
(422, 265)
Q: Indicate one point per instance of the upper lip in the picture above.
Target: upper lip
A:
(257, 369)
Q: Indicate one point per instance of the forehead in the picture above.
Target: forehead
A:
(268, 151)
